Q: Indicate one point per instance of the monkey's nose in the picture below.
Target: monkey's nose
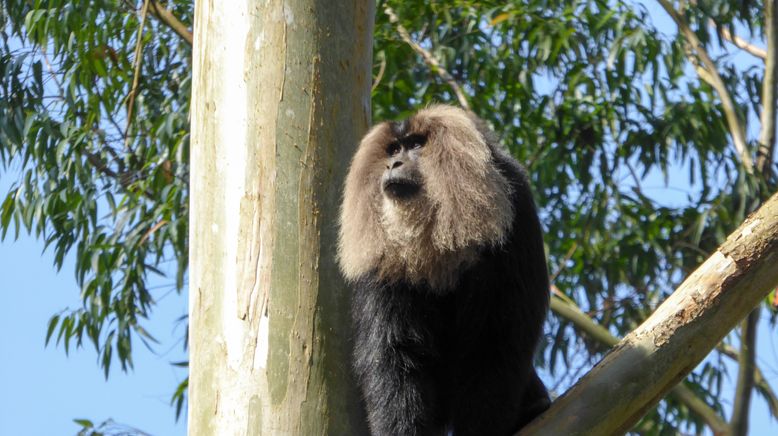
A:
(396, 164)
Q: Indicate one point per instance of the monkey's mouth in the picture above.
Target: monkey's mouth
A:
(401, 188)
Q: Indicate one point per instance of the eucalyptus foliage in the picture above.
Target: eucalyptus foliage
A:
(599, 98)
(106, 186)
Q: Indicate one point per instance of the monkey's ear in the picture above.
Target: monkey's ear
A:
(471, 195)
(361, 239)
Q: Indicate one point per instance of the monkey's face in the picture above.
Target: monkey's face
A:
(422, 197)
(402, 178)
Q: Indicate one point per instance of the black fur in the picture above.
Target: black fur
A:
(461, 361)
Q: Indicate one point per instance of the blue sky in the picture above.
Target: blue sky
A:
(43, 390)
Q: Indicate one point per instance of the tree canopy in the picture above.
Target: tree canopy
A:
(612, 105)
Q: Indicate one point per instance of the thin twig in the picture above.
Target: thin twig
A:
(760, 382)
(380, 75)
(99, 164)
(764, 154)
(150, 231)
(709, 73)
(124, 178)
(563, 262)
(745, 377)
(136, 76)
(429, 59)
(637, 188)
(167, 18)
(51, 71)
(739, 42)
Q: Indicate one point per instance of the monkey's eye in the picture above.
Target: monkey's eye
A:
(393, 149)
(415, 141)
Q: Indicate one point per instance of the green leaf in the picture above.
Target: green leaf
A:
(6, 211)
(52, 325)
(85, 423)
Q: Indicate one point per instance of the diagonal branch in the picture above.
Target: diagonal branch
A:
(708, 72)
(681, 392)
(167, 18)
(654, 357)
(429, 59)
(585, 324)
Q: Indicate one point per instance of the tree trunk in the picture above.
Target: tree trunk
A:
(281, 96)
(648, 362)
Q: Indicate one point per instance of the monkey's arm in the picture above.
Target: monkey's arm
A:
(395, 357)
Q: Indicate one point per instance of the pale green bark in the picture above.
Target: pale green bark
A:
(280, 100)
